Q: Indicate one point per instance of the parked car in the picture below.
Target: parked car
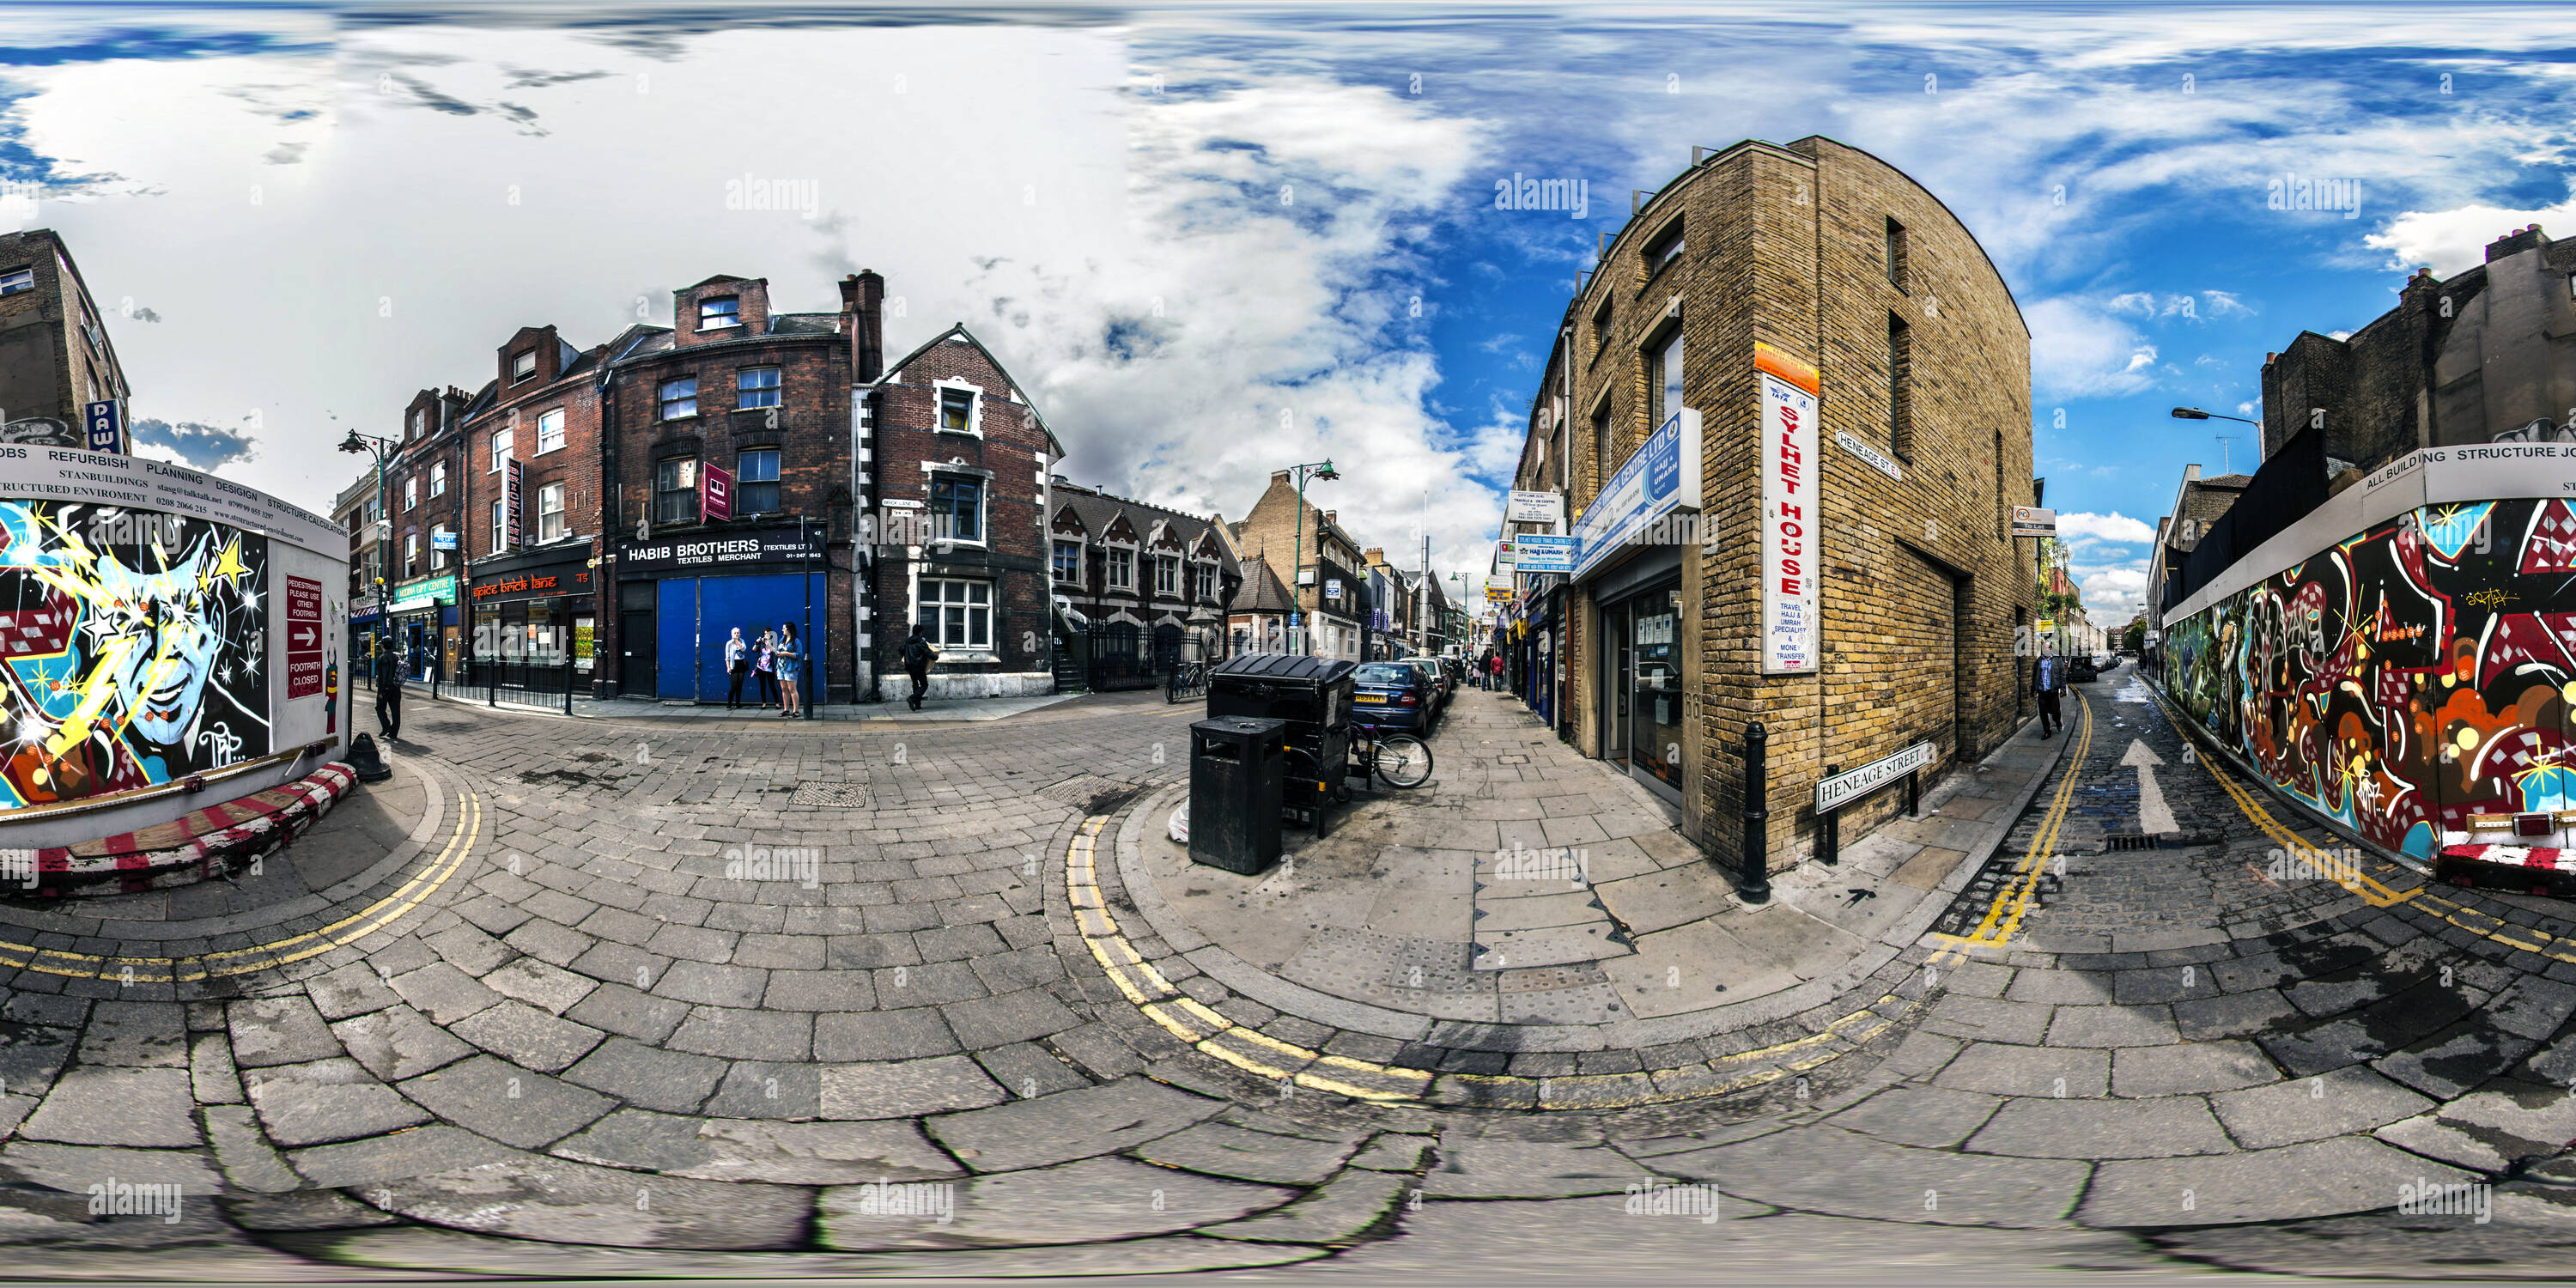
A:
(1440, 677)
(2080, 670)
(1393, 695)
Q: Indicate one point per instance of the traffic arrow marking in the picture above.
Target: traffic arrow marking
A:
(2153, 814)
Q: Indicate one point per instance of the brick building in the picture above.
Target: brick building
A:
(1805, 347)
(1135, 582)
(1257, 621)
(2488, 355)
(1326, 559)
(55, 356)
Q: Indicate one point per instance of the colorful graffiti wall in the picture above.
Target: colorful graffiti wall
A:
(2404, 679)
(133, 649)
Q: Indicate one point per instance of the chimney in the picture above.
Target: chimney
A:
(1373, 555)
(2190, 473)
(2514, 243)
(863, 304)
(1278, 476)
(1328, 515)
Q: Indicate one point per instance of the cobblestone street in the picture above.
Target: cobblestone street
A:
(565, 993)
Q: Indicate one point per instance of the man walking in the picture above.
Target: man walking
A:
(389, 688)
(737, 660)
(2048, 682)
(917, 657)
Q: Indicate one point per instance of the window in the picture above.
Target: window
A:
(675, 490)
(500, 525)
(438, 547)
(957, 410)
(956, 507)
(1664, 381)
(957, 614)
(1604, 449)
(755, 482)
(720, 313)
(1122, 569)
(1664, 249)
(16, 280)
(1167, 575)
(550, 431)
(756, 387)
(1068, 562)
(504, 442)
(1900, 388)
(438, 478)
(411, 555)
(1896, 254)
(550, 512)
(414, 432)
(1206, 582)
(411, 492)
(679, 398)
(1601, 329)
(522, 366)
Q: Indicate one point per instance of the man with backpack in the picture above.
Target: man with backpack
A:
(917, 657)
(2046, 679)
(389, 687)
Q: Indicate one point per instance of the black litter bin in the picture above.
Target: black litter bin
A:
(1313, 695)
(1237, 765)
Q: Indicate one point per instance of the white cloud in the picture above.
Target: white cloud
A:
(2454, 239)
(2114, 526)
(2113, 595)
(2077, 352)
(2219, 304)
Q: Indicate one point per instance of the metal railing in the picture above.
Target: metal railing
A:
(550, 684)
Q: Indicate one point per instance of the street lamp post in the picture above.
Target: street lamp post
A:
(357, 442)
(2227, 462)
(1323, 470)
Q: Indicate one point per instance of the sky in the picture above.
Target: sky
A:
(1213, 243)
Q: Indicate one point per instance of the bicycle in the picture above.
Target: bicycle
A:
(1400, 758)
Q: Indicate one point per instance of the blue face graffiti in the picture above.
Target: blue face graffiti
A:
(132, 649)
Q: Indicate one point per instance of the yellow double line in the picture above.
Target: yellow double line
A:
(2359, 883)
(2012, 903)
(242, 961)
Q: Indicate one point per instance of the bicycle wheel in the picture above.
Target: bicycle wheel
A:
(1402, 760)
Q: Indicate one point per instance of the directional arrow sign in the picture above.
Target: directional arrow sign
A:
(2153, 814)
(303, 635)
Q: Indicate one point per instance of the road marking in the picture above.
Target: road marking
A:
(242, 961)
(2012, 903)
(2154, 816)
(1278, 1060)
(2371, 891)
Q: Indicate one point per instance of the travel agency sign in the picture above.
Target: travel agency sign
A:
(1790, 516)
(1660, 478)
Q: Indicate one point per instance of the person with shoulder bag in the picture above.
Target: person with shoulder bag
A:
(917, 657)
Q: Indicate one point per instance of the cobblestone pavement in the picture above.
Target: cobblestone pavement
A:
(593, 997)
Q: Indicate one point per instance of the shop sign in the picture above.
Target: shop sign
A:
(536, 583)
(1663, 476)
(732, 549)
(715, 486)
(518, 483)
(1498, 594)
(1543, 554)
(1790, 514)
(423, 594)
(1535, 507)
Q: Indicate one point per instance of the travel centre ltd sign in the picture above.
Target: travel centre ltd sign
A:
(1790, 515)
(1659, 478)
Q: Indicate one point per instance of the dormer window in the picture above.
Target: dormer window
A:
(415, 426)
(957, 410)
(523, 366)
(717, 314)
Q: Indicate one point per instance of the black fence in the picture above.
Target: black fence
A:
(540, 681)
(2283, 491)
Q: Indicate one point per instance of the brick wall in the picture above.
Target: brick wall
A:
(48, 365)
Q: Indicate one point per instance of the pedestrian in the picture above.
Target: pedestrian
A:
(917, 657)
(389, 688)
(1494, 670)
(737, 660)
(765, 665)
(789, 667)
(2047, 674)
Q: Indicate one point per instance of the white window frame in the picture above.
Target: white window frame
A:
(437, 557)
(1167, 568)
(974, 407)
(550, 517)
(411, 492)
(550, 424)
(776, 391)
(523, 366)
(500, 524)
(1122, 559)
(780, 482)
(505, 444)
(415, 425)
(662, 401)
(438, 478)
(1056, 572)
(411, 555)
(736, 314)
(938, 629)
(1203, 582)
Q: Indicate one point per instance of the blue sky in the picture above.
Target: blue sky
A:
(1214, 243)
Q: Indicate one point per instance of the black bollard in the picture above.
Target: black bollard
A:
(1754, 879)
(366, 761)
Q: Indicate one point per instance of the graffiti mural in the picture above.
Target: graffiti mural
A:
(2403, 680)
(133, 649)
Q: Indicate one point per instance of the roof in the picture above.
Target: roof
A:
(804, 323)
(1098, 510)
(1269, 594)
(958, 330)
(720, 277)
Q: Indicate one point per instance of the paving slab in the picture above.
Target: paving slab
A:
(1825, 1169)
(1095, 1199)
(1069, 1124)
(2294, 1182)
(787, 1153)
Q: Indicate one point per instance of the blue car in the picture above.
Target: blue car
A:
(1392, 695)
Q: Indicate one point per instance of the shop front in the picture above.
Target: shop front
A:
(1631, 545)
(422, 622)
(680, 598)
(366, 622)
(535, 620)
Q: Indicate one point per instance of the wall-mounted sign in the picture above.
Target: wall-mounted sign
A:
(1663, 476)
(422, 594)
(535, 583)
(2047, 625)
(106, 424)
(2032, 521)
(1870, 456)
(779, 546)
(1332, 588)
(1498, 595)
(1543, 554)
(1534, 507)
(442, 541)
(517, 483)
(1844, 788)
(1790, 514)
(715, 487)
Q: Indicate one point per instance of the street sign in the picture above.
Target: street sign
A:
(106, 422)
(2032, 521)
(716, 483)
(1842, 789)
(1498, 595)
(1295, 620)
(1534, 507)
(2047, 625)
(1543, 554)
(303, 637)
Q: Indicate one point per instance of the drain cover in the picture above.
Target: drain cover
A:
(1091, 793)
(840, 795)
